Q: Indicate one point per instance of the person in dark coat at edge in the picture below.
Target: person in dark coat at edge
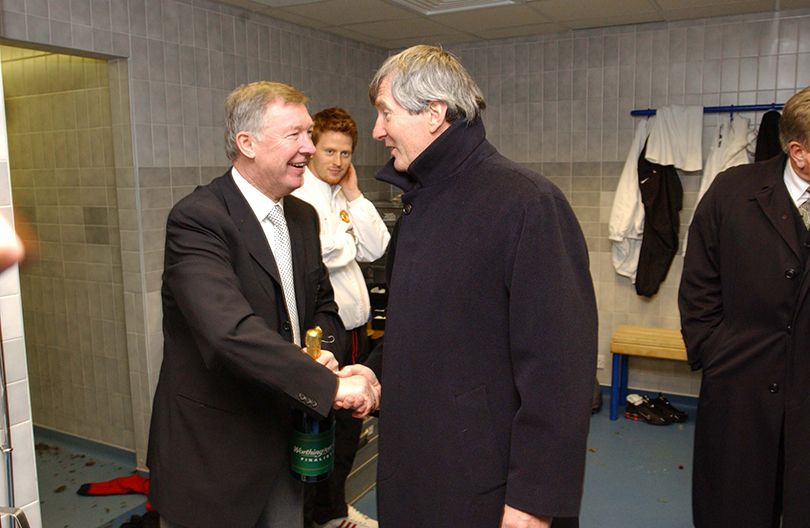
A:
(232, 365)
(491, 334)
(745, 316)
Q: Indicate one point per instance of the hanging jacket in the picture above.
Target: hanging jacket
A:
(732, 146)
(768, 144)
(662, 195)
(626, 223)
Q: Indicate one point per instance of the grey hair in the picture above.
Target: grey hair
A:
(244, 109)
(423, 74)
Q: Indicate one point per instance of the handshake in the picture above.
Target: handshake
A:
(358, 387)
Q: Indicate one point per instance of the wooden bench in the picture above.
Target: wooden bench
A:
(641, 341)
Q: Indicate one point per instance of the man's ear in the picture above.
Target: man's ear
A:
(799, 154)
(437, 115)
(244, 142)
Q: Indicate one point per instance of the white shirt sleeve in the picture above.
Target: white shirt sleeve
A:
(370, 231)
(338, 243)
(363, 238)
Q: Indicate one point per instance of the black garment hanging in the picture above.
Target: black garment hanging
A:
(662, 195)
(768, 144)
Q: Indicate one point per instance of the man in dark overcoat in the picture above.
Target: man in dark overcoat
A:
(745, 315)
(240, 288)
(490, 340)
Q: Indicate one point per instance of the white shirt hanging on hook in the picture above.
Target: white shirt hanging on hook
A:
(733, 145)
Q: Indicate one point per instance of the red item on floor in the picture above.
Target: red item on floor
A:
(118, 486)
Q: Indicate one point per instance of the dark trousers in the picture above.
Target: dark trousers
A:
(326, 500)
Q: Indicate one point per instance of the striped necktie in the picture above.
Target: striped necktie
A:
(283, 256)
(804, 210)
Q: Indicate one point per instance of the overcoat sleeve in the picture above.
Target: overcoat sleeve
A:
(700, 298)
(553, 347)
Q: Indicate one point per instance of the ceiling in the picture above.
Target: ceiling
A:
(391, 24)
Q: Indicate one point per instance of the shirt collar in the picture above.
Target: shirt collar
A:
(260, 203)
(797, 187)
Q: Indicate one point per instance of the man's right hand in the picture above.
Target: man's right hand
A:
(349, 184)
(358, 389)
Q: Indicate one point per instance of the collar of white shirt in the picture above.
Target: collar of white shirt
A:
(260, 203)
(798, 189)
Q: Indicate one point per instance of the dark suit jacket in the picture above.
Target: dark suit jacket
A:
(745, 315)
(230, 374)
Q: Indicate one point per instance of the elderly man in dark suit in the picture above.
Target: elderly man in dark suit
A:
(243, 280)
(745, 316)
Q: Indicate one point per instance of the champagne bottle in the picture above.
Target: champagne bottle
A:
(313, 440)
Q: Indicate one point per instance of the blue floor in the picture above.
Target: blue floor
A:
(63, 464)
(636, 475)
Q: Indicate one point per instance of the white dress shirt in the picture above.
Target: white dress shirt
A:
(798, 189)
(359, 235)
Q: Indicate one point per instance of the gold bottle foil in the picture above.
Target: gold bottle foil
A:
(312, 341)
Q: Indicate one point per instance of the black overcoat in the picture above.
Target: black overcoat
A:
(745, 315)
(490, 343)
(230, 374)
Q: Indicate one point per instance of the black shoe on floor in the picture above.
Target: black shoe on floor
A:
(663, 403)
(641, 408)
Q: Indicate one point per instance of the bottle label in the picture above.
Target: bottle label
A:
(312, 454)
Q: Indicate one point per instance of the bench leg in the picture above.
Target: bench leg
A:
(615, 385)
(623, 385)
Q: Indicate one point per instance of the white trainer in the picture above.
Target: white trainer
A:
(354, 519)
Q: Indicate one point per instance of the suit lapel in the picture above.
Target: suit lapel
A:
(254, 239)
(775, 202)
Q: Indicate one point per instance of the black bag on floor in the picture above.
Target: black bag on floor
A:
(148, 520)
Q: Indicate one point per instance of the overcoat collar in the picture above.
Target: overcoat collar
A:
(775, 202)
(440, 159)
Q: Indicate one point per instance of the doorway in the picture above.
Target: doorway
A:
(63, 182)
